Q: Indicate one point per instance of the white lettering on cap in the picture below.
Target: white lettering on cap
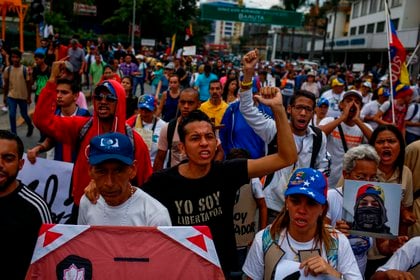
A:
(110, 143)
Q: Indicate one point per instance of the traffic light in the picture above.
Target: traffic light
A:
(37, 9)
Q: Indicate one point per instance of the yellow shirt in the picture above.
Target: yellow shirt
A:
(214, 112)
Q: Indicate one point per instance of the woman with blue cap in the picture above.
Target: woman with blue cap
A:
(298, 244)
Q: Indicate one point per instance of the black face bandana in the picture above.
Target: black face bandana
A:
(369, 218)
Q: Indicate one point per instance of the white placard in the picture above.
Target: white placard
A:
(50, 179)
(189, 50)
(148, 42)
(358, 67)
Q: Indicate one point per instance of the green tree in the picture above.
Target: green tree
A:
(158, 19)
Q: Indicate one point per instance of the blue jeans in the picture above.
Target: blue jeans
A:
(138, 81)
(12, 104)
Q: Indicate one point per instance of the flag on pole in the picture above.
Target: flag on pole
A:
(173, 43)
(399, 72)
(188, 32)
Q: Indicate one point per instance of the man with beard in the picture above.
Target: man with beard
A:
(215, 107)
(169, 138)
(108, 116)
(344, 132)
(22, 212)
(370, 211)
(301, 110)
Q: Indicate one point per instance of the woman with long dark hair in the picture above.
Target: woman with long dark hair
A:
(230, 90)
(298, 242)
(389, 143)
(390, 146)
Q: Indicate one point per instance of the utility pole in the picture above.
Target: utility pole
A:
(133, 24)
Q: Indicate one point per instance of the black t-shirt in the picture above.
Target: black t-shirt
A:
(21, 214)
(205, 201)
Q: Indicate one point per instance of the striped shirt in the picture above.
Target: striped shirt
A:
(22, 213)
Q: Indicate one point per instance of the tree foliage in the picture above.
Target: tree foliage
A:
(158, 19)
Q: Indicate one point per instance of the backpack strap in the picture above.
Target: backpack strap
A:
(88, 124)
(416, 109)
(170, 137)
(84, 129)
(316, 144)
(343, 139)
(272, 253)
(25, 71)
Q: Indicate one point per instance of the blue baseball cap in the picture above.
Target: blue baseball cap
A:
(108, 87)
(147, 102)
(309, 182)
(383, 92)
(322, 101)
(109, 146)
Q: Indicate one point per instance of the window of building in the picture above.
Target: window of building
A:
(395, 3)
(381, 5)
(348, 18)
(356, 10)
(380, 27)
(361, 29)
(395, 22)
(353, 30)
(373, 6)
(370, 28)
(228, 23)
(365, 7)
(328, 35)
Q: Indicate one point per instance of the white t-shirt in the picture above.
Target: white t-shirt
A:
(334, 100)
(150, 136)
(370, 110)
(311, 87)
(257, 188)
(354, 137)
(366, 99)
(176, 155)
(139, 210)
(288, 264)
(405, 257)
(414, 118)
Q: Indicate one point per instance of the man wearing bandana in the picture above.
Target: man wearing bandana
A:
(370, 211)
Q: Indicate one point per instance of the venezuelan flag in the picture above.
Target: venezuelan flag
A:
(399, 74)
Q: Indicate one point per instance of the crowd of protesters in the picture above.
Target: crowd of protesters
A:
(289, 120)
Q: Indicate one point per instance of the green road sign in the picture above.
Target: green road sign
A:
(231, 13)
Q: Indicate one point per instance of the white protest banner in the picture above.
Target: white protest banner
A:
(189, 50)
(51, 180)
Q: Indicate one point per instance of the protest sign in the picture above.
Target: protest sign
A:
(372, 208)
(51, 180)
(244, 216)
